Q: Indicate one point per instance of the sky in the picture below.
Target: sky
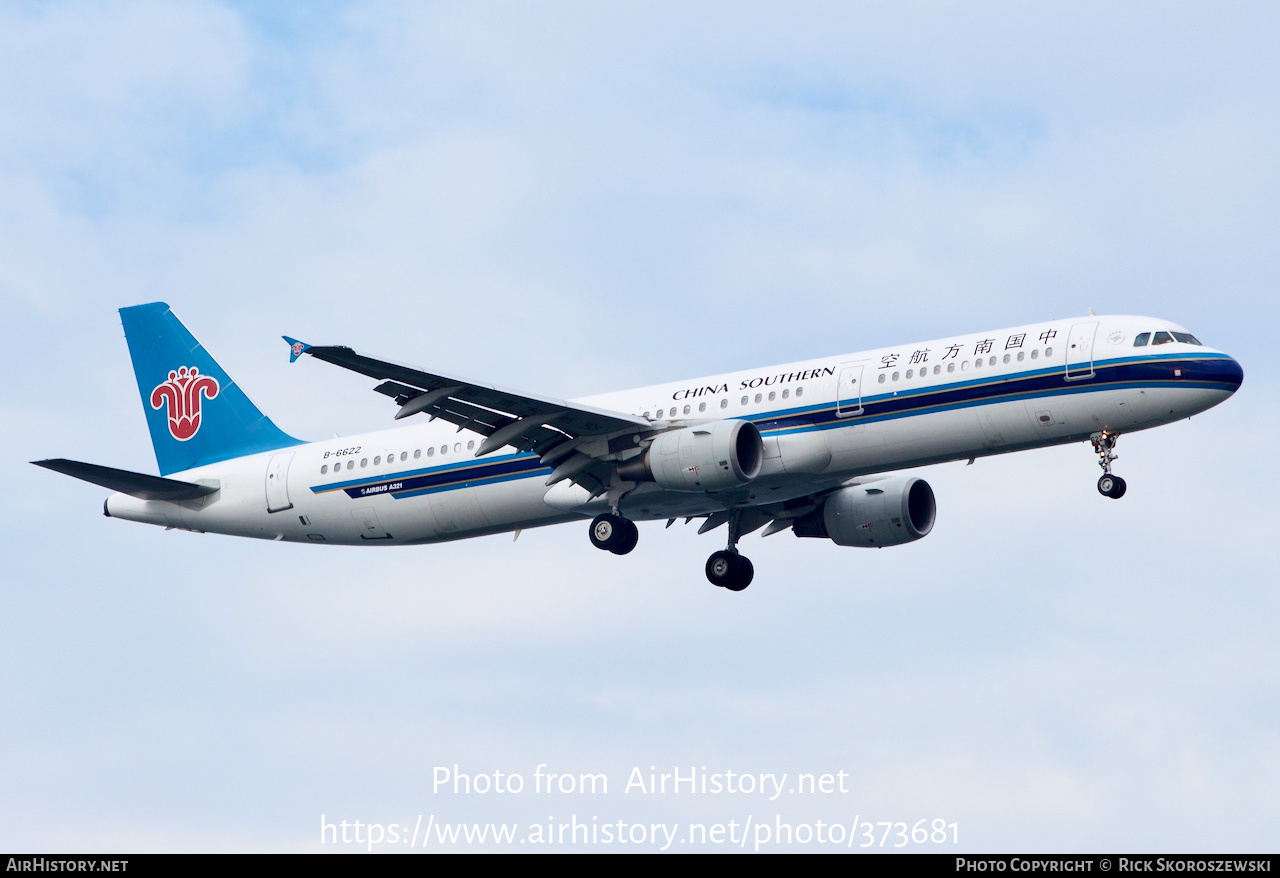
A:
(575, 198)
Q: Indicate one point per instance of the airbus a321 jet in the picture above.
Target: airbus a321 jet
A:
(815, 447)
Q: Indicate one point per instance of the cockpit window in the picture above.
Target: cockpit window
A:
(1162, 338)
(1140, 340)
(1187, 338)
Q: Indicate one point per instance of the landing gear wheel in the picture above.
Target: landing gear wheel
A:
(627, 538)
(746, 572)
(1112, 486)
(720, 568)
(729, 570)
(608, 530)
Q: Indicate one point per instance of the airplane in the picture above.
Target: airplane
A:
(818, 447)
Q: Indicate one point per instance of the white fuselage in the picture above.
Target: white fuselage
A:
(823, 422)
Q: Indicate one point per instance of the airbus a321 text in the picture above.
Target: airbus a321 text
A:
(815, 447)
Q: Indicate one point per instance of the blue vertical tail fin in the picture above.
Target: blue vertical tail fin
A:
(195, 412)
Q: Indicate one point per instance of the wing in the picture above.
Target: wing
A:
(579, 440)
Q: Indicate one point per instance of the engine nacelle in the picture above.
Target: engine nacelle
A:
(886, 513)
(708, 457)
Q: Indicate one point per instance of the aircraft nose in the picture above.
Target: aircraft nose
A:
(1233, 374)
(1217, 372)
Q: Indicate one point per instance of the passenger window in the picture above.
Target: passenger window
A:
(992, 361)
(457, 447)
(977, 364)
(881, 379)
(324, 469)
(431, 452)
(724, 403)
(364, 461)
(417, 453)
(377, 460)
(1140, 340)
(786, 393)
(404, 455)
(1034, 354)
(772, 396)
(937, 370)
(1020, 356)
(951, 367)
(964, 366)
(910, 372)
(351, 464)
(1162, 338)
(646, 416)
(799, 391)
(759, 397)
(471, 443)
(895, 376)
(702, 406)
(1006, 359)
(444, 449)
(686, 410)
(1048, 352)
(744, 400)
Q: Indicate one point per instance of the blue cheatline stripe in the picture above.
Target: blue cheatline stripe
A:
(425, 480)
(1209, 371)
(1205, 371)
(416, 471)
(487, 480)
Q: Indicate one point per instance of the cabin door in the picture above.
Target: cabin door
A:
(1080, 351)
(849, 390)
(278, 482)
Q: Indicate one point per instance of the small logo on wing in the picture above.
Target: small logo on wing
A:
(183, 393)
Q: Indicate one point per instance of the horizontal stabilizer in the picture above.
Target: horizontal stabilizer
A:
(139, 485)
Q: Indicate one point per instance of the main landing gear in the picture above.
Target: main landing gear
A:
(1104, 445)
(614, 533)
(728, 569)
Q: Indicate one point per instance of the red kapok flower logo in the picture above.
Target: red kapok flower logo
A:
(183, 392)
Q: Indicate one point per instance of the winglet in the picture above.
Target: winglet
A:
(296, 348)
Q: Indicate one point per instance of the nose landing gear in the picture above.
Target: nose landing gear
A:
(1104, 445)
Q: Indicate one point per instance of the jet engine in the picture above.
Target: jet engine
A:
(885, 513)
(707, 457)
